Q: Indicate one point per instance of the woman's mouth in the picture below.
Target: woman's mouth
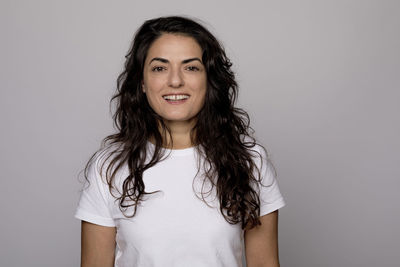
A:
(176, 99)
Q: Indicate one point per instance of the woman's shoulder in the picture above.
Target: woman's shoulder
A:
(260, 157)
(256, 148)
(103, 158)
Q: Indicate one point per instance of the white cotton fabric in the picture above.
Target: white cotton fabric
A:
(173, 227)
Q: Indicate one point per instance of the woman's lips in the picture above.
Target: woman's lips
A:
(176, 99)
(176, 102)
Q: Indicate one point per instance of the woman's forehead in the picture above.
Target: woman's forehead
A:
(174, 46)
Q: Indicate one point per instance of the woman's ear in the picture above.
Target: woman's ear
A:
(144, 91)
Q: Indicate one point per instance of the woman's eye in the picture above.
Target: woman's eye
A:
(193, 68)
(157, 69)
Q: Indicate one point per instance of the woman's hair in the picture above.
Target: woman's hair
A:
(221, 130)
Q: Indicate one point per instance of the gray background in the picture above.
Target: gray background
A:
(320, 80)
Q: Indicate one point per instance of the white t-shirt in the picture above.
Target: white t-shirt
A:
(173, 227)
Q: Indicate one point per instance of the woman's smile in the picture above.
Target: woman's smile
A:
(176, 99)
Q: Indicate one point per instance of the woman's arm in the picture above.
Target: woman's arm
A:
(97, 245)
(261, 242)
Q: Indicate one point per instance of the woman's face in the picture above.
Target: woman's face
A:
(174, 78)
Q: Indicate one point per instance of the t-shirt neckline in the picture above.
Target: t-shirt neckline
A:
(174, 152)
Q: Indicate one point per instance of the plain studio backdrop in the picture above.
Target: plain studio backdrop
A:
(320, 80)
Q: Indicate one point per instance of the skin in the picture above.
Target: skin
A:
(173, 65)
(261, 242)
(97, 245)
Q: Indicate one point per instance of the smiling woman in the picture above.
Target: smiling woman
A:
(182, 182)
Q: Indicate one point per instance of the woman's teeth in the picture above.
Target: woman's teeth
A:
(175, 97)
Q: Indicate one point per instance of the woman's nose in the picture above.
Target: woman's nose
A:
(175, 78)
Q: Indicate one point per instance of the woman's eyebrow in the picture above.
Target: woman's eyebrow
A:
(163, 60)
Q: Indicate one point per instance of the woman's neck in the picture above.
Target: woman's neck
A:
(180, 132)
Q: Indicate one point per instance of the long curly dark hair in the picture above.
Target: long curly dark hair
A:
(222, 133)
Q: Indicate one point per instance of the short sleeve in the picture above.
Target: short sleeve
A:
(271, 198)
(93, 205)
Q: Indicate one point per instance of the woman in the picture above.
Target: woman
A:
(182, 182)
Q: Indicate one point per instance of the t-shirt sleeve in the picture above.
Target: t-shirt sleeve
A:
(93, 205)
(271, 198)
